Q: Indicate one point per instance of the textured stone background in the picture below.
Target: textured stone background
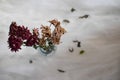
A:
(99, 34)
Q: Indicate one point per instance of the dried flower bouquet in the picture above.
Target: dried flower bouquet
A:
(44, 37)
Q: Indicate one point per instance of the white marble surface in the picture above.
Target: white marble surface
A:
(99, 34)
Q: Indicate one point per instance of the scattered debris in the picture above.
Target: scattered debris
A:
(84, 16)
(30, 61)
(62, 71)
(82, 51)
(72, 9)
(66, 21)
(78, 44)
(71, 49)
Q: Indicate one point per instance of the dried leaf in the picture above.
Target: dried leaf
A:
(82, 51)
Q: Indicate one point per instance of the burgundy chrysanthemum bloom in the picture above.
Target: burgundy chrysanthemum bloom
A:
(19, 31)
(23, 32)
(32, 40)
(13, 28)
(14, 43)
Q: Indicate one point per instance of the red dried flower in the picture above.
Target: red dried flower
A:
(23, 32)
(14, 43)
(19, 31)
(13, 28)
(32, 40)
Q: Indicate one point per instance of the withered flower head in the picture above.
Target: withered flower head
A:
(57, 33)
(55, 22)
